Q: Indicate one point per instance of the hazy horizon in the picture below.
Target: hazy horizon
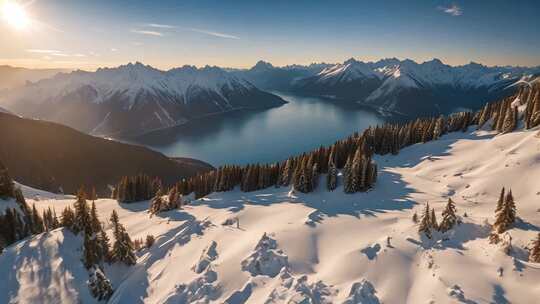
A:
(91, 34)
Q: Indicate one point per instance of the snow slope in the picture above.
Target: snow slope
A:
(322, 247)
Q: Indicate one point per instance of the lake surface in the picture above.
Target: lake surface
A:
(243, 137)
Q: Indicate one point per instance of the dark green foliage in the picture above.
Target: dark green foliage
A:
(100, 287)
(449, 218)
(425, 222)
(21, 222)
(136, 188)
(506, 216)
(7, 187)
(122, 250)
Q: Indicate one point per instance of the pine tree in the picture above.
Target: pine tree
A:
(90, 251)
(95, 224)
(449, 216)
(67, 218)
(6, 183)
(510, 120)
(500, 202)
(104, 246)
(506, 217)
(347, 177)
(415, 218)
(425, 222)
(433, 220)
(331, 177)
(100, 287)
(157, 204)
(82, 214)
(534, 254)
(122, 250)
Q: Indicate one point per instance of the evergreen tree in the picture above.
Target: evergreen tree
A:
(510, 120)
(331, 177)
(122, 250)
(95, 224)
(82, 214)
(157, 204)
(449, 218)
(534, 254)
(90, 251)
(433, 220)
(506, 217)
(100, 287)
(500, 202)
(6, 183)
(104, 246)
(425, 222)
(415, 218)
(68, 218)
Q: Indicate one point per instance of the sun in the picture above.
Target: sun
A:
(15, 15)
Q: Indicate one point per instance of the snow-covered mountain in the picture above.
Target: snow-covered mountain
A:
(401, 86)
(265, 75)
(135, 98)
(321, 247)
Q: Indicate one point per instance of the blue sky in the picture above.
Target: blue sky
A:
(237, 33)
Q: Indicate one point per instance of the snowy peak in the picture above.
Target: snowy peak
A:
(149, 98)
(262, 65)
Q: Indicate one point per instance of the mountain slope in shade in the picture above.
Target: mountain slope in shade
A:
(322, 247)
(134, 98)
(49, 155)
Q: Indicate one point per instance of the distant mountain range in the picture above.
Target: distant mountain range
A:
(133, 99)
(399, 86)
(47, 155)
(12, 77)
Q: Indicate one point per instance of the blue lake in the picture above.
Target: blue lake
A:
(242, 137)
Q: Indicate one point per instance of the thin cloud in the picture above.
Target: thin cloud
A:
(215, 34)
(453, 10)
(42, 51)
(54, 53)
(150, 33)
(162, 26)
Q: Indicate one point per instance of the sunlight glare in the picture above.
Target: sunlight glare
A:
(15, 15)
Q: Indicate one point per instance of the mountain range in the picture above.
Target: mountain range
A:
(133, 99)
(12, 77)
(392, 85)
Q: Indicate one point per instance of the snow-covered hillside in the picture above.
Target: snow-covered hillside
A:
(277, 246)
(135, 98)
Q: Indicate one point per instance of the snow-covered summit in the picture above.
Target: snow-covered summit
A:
(135, 98)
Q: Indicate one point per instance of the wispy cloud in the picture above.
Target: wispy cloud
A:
(144, 32)
(162, 26)
(215, 34)
(42, 51)
(453, 10)
(55, 53)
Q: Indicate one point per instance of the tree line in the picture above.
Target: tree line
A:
(21, 221)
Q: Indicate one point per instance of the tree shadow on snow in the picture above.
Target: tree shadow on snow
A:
(390, 193)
